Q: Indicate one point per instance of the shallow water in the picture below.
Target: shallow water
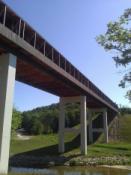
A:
(70, 171)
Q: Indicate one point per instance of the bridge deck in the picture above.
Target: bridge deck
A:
(42, 66)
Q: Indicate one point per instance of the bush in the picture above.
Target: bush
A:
(16, 120)
(37, 127)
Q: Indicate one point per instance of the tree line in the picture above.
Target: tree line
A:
(125, 110)
(44, 120)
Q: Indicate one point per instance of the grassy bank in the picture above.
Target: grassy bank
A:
(125, 128)
(45, 149)
(47, 145)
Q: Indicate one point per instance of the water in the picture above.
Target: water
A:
(70, 171)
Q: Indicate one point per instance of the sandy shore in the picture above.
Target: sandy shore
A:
(123, 167)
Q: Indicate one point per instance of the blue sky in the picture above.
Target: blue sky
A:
(71, 26)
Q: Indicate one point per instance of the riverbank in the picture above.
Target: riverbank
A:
(76, 160)
(42, 151)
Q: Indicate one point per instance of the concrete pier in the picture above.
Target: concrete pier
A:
(7, 82)
(83, 122)
(90, 127)
(61, 126)
(105, 121)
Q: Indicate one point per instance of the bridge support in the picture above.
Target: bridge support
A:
(83, 125)
(83, 120)
(90, 127)
(61, 125)
(105, 121)
(7, 82)
(105, 124)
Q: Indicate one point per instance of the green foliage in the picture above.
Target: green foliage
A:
(37, 127)
(118, 39)
(72, 115)
(124, 128)
(45, 119)
(124, 110)
(16, 119)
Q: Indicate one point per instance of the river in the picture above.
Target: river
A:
(69, 171)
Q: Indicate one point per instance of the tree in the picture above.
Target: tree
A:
(118, 39)
(37, 127)
(27, 121)
(124, 110)
(16, 119)
(45, 119)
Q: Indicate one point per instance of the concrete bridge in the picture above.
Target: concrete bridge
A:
(27, 57)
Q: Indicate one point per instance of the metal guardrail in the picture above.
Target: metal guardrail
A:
(17, 25)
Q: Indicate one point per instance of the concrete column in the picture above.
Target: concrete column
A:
(61, 126)
(90, 127)
(83, 125)
(7, 82)
(105, 125)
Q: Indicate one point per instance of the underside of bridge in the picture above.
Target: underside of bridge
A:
(44, 78)
(26, 57)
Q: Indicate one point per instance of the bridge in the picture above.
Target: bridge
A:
(27, 57)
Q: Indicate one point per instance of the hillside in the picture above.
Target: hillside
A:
(43, 149)
(124, 129)
(44, 120)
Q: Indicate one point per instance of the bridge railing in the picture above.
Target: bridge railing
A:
(17, 25)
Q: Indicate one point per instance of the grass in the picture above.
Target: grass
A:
(111, 149)
(125, 128)
(47, 145)
(36, 142)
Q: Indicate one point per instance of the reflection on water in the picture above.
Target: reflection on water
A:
(35, 171)
(71, 171)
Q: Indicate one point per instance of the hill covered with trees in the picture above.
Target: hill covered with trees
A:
(44, 120)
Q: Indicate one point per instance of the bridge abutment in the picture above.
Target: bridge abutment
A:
(104, 121)
(83, 122)
(7, 82)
